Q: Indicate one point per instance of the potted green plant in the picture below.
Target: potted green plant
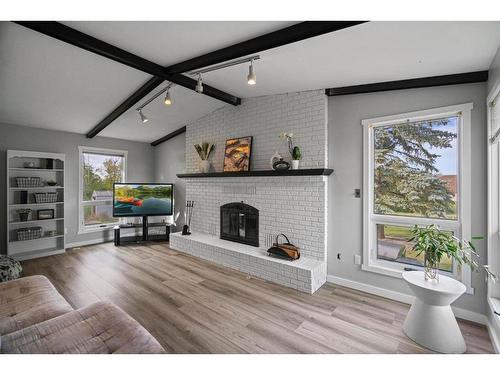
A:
(296, 156)
(435, 244)
(24, 214)
(204, 150)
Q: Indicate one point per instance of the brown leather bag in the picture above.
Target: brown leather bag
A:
(285, 250)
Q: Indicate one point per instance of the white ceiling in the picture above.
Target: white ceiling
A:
(47, 83)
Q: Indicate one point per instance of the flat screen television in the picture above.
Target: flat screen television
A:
(150, 199)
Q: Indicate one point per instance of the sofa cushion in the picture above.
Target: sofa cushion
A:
(99, 328)
(27, 301)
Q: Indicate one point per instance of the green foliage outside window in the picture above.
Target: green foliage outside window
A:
(101, 176)
(406, 179)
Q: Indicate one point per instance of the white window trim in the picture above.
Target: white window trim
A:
(82, 229)
(370, 263)
(493, 291)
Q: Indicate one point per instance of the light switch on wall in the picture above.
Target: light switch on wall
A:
(357, 259)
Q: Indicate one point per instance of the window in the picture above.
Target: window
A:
(416, 172)
(99, 169)
(493, 103)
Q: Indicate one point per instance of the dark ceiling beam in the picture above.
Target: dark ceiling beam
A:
(77, 38)
(274, 39)
(169, 136)
(291, 34)
(450, 79)
(89, 43)
(445, 80)
(123, 107)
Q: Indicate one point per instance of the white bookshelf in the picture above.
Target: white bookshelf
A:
(18, 166)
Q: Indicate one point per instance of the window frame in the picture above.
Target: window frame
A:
(82, 228)
(461, 226)
(493, 254)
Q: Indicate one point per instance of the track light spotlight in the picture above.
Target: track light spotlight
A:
(144, 119)
(199, 85)
(252, 77)
(168, 99)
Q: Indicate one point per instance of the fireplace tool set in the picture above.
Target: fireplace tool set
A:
(188, 213)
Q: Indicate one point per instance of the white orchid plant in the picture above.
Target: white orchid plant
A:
(289, 138)
(293, 150)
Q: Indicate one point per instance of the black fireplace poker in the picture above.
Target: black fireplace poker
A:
(187, 218)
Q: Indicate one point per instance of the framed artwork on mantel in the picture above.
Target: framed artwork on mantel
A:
(237, 154)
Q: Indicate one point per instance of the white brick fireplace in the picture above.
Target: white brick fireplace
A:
(294, 205)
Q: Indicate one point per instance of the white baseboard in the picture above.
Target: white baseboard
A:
(22, 257)
(86, 243)
(493, 325)
(402, 297)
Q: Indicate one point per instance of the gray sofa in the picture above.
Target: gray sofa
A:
(35, 318)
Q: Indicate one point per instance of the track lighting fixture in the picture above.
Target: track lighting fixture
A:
(199, 85)
(252, 77)
(144, 119)
(168, 99)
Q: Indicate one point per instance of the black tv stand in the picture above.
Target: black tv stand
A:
(145, 228)
(146, 237)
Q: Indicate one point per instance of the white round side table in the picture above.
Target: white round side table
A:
(430, 321)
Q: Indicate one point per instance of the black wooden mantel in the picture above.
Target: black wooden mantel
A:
(262, 173)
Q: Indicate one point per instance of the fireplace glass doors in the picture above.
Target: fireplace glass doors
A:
(239, 222)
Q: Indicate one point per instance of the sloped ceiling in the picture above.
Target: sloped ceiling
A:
(47, 83)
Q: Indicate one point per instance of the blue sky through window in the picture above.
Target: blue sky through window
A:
(97, 161)
(447, 163)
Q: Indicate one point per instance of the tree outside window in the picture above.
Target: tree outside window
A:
(415, 175)
(99, 172)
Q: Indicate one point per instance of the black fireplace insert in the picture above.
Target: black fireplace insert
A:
(239, 222)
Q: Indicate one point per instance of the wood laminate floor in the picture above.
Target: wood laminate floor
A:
(194, 306)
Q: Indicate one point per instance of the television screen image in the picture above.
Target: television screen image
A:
(142, 199)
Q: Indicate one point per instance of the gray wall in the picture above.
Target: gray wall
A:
(140, 167)
(345, 225)
(170, 159)
(494, 71)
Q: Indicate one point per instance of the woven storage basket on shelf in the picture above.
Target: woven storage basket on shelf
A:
(31, 233)
(50, 197)
(28, 182)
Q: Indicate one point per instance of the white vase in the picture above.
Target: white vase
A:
(295, 164)
(204, 166)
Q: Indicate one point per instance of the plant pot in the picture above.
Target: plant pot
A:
(431, 269)
(204, 166)
(295, 164)
(24, 216)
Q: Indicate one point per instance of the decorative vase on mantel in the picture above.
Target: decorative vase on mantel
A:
(431, 269)
(295, 164)
(204, 166)
(204, 150)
